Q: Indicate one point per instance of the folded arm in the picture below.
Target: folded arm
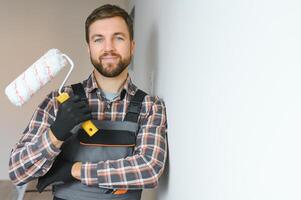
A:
(145, 166)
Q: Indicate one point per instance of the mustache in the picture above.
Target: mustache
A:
(108, 54)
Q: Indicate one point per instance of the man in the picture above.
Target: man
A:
(128, 152)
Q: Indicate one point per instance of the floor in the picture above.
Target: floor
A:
(8, 192)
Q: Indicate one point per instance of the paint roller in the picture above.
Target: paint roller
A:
(37, 75)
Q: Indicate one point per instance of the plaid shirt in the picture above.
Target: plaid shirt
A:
(34, 154)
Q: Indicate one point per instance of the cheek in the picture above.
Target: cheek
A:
(126, 50)
(94, 50)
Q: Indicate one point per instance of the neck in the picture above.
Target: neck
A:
(111, 85)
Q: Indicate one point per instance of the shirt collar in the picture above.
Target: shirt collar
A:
(91, 83)
(128, 86)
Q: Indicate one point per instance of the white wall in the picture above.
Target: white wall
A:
(229, 72)
(28, 29)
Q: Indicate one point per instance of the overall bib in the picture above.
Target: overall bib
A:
(114, 140)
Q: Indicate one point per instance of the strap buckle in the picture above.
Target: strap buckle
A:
(116, 191)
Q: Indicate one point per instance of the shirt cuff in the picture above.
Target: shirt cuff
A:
(89, 174)
(49, 151)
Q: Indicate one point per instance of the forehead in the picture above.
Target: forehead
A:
(108, 26)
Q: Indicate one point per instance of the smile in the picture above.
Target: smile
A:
(109, 57)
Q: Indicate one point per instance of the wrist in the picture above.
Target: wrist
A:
(56, 142)
(76, 170)
(60, 131)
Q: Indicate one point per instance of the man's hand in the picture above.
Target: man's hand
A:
(72, 112)
(59, 172)
(76, 170)
(57, 143)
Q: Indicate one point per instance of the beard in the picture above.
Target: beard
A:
(110, 70)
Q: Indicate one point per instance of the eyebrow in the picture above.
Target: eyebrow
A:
(120, 33)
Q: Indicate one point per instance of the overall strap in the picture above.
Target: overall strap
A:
(78, 89)
(135, 106)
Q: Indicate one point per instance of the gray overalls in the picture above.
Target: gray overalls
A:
(114, 140)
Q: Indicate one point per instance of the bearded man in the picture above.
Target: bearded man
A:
(126, 154)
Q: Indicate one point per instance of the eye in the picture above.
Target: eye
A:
(119, 38)
(98, 40)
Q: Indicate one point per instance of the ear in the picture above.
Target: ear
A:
(133, 47)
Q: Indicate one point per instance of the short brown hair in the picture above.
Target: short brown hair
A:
(108, 11)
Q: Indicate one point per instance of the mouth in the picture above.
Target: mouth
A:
(109, 58)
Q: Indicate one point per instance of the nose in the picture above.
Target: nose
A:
(109, 45)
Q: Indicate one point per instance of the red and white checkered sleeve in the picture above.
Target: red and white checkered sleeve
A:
(33, 155)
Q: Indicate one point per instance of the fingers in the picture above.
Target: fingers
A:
(85, 110)
(83, 117)
(75, 98)
(76, 101)
(78, 108)
(81, 104)
(86, 117)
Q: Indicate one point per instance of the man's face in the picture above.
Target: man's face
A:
(110, 46)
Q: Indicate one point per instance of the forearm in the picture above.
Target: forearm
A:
(143, 169)
(107, 175)
(134, 172)
(32, 157)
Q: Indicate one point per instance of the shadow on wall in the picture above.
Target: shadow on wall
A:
(152, 58)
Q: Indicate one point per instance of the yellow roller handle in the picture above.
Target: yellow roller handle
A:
(88, 126)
